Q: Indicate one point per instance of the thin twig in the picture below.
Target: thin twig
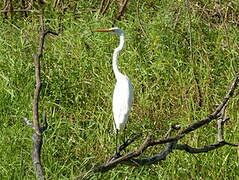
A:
(206, 120)
(109, 165)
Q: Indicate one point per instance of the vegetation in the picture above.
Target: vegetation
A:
(181, 57)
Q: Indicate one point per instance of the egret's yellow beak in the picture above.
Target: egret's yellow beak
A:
(103, 30)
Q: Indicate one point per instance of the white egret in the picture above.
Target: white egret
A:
(123, 91)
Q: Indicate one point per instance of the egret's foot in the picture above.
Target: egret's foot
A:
(116, 155)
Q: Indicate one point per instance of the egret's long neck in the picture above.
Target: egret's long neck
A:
(115, 56)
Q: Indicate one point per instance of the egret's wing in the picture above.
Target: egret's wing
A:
(122, 101)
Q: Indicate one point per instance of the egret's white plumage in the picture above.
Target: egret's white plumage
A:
(122, 101)
(123, 91)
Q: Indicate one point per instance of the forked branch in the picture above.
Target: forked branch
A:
(35, 124)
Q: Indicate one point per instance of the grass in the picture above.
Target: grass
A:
(167, 50)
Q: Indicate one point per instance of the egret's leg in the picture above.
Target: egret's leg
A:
(125, 135)
(116, 143)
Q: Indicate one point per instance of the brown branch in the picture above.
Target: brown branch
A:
(220, 137)
(203, 149)
(37, 136)
(129, 157)
(109, 165)
(162, 155)
(128, 142)
(35, 124)
(38, 79)
(155, 159)
(172, 141)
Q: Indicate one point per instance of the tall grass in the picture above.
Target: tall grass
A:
(171, 50)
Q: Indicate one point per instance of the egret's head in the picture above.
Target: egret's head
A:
(114, 30)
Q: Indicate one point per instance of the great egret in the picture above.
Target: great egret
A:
(123, 92)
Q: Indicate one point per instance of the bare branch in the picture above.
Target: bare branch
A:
(128, 142)
(37, 136)
(203, 149)
(162, 155)
(155, 159)
(128, 158)
(36, 155)
(109, 165)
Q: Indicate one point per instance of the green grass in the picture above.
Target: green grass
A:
(78, 83)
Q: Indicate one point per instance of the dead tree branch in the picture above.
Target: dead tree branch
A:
(35, 124)
(203, 149)
(37, 136)
(150, 140)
